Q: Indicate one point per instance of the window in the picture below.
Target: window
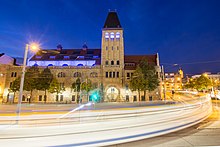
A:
(112, 47)
(142, 98)
(13, 74)
(117, 74)
(10, 84)
(117, 48)
(77, 74)
(38, 57)
(128, 75)
(52, 57)
(66, 57)
(135, 98)
(73, 98)
(113, 74)
(61, 98)
(80, 57)
(61, 75)
(106, 36)
(132, 74)
(40, 98)
(118, 62)
(65, 65)
(93, 74)
(127, 98)
(106, 48)
(110, 74)
(106, 74)
(23, 98)
(112, 62)
(106, 62)
(57, 98)
(112, 36)
(62, 86)
(117, 36)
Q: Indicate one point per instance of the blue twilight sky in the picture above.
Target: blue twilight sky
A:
(186, 32)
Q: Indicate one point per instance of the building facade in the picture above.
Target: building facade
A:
(107, 67)
(174, 80)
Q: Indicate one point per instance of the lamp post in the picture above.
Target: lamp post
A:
(34, 47)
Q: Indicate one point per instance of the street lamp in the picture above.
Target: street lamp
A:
(34, 47)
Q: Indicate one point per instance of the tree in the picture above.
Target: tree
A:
(14, 87)
(76, 86)
(200, 83)
(136, 82)
(55, 87)
(87, 86)
(44, 81)
(31, 80)
(203, 83)
(150, 77)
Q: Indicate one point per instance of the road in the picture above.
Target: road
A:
(206, 133)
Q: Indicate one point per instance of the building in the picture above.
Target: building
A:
(173, 81)
(106, 67)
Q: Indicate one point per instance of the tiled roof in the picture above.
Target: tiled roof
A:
(68, 54)
(112, 21)
(131, 61)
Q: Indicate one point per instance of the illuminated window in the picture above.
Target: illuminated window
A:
(38, 57)
(52, 57)
(106, 35)
(66, 57)
(112, 36)
(117, 36)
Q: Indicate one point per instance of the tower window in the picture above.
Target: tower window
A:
(112, 62)
(118, 62)
(113, 74)
(112, 36)
(106, 74)
(110, 74)
(117, 36)
(106, 36)
(106, 62)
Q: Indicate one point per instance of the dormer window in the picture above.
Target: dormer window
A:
(66, 57)
(112, 36)
(38, 57)
(52, 57)
(80, 57)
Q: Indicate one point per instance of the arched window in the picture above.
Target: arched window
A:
(106, 62)
(65, 65)
(80, 65)
(61, 74)
(106, 35)
(117, 36)
(93, 74)
(50, 65)
(112, 36)
(112, 62)
(118, 62)
(77, 74)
